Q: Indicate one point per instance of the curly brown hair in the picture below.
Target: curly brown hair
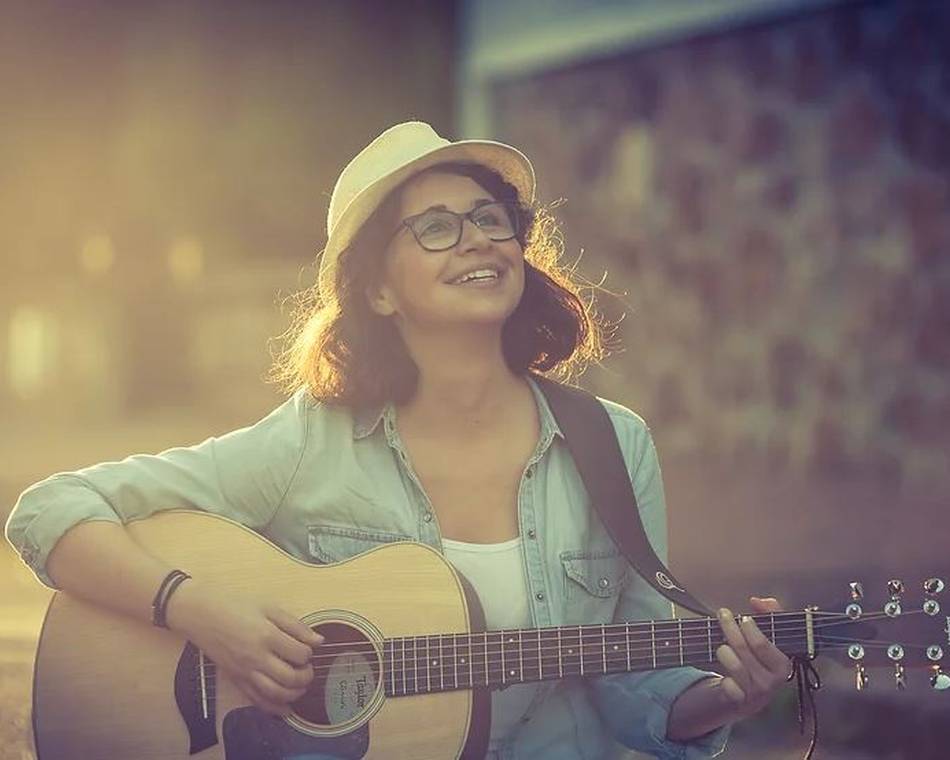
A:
(343, 352)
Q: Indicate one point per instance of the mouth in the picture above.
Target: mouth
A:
(482, 275)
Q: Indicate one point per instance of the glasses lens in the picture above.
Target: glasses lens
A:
(497, 220)
(436, 229)
(439, 230)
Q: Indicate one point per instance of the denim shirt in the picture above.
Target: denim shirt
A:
(324, 483)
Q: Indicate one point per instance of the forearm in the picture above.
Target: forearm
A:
(99, 562)
(701, 708)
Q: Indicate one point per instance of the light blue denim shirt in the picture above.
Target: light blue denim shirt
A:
(324, 484)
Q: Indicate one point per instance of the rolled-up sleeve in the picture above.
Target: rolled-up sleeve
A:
(636, 706)
(243, 475)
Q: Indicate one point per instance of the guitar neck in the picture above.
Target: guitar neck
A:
(494, 659)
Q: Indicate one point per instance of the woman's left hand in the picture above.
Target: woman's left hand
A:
(753, 667)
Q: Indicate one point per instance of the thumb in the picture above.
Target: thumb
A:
(765, 604)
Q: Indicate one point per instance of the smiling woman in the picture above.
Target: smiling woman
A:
(341, 350)
(417, 419)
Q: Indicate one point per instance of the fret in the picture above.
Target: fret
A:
(665, 638)
(404, 665)
(479, 660)
(540, 660)
(580, 646)
(616, 659)
(428, 667)
(603, 645)
(495, 657)
(531, 654)
(560, 656)
(441, 665)
(388, 650)
(549, 645)
(511, 652)
(709, 636)
(487, 680)
(653, 641)
(772, 621)
(455, 660)
(504, 668)
(521, 655)
(681, 641)
(626, 636)
(412, 684)
(471, 661)
(571, 659)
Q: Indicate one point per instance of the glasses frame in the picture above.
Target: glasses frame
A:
(511, 209)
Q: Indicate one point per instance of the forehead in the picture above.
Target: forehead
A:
(434, 188)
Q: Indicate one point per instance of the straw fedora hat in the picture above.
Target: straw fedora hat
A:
(394, 156)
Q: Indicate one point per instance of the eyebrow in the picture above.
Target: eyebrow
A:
(478, 202)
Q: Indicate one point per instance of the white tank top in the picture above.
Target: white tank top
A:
(496, 571)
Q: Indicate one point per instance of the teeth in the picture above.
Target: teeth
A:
(479, 274)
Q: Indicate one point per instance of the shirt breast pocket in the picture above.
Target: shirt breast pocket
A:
(331, 543)
(592, 585)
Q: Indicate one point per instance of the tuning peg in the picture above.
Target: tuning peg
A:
(895, 588)
(857, 591)
(938, 679)
(933, 586)
(853, 610)
(861, 677)
(931, 607)
(934, 653)
(893, 608)
(899, 681)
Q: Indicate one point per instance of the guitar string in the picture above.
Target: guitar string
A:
(495, 671)
(668, 628)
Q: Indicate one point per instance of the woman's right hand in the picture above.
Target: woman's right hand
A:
(264, 650)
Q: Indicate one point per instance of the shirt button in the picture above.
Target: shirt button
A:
(531, 533)
(539, 596)
(427, 517)
(529, 473)
(604, 582)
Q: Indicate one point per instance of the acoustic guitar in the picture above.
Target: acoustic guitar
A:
(405, 670)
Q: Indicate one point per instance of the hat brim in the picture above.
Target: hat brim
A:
(510, 163)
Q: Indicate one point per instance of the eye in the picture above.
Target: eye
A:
(433, 224)
(491, 216)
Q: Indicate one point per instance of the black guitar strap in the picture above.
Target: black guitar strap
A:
(593, 444)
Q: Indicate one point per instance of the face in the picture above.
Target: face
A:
(420, 288)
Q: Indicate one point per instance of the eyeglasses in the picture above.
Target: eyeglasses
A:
(441, 229)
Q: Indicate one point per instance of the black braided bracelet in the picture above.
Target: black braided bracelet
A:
(160, 603)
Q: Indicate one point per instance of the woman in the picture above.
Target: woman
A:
(415, 417)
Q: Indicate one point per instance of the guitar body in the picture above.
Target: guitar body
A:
(105, 686)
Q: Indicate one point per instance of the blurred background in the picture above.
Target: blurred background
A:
(764, 186)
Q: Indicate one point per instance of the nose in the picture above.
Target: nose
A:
(473, 237)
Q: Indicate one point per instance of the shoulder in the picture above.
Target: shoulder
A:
(633, 433)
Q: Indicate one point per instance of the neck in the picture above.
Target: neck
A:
(463, 379)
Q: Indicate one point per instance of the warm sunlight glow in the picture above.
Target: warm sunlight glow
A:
(32, 351)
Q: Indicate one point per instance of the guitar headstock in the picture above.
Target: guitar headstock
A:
(901, 628)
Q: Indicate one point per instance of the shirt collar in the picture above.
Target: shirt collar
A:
(367, 419)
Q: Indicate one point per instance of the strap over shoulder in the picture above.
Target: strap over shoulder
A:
(591, 439)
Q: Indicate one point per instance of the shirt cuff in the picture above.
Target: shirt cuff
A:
(33, 531)
(637, 708)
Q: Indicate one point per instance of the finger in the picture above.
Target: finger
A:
(735, 638)
(272, 691)
(765, 604)
(733, 668)
(764, 651)
(287, 675)
(293, 627)
(256, 698)
(290, 649)
(732, 691)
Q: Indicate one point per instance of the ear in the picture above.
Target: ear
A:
(380, 301)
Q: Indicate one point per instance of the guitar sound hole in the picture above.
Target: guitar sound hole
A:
(346, 674)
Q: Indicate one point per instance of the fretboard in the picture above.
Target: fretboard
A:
(494, 659)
